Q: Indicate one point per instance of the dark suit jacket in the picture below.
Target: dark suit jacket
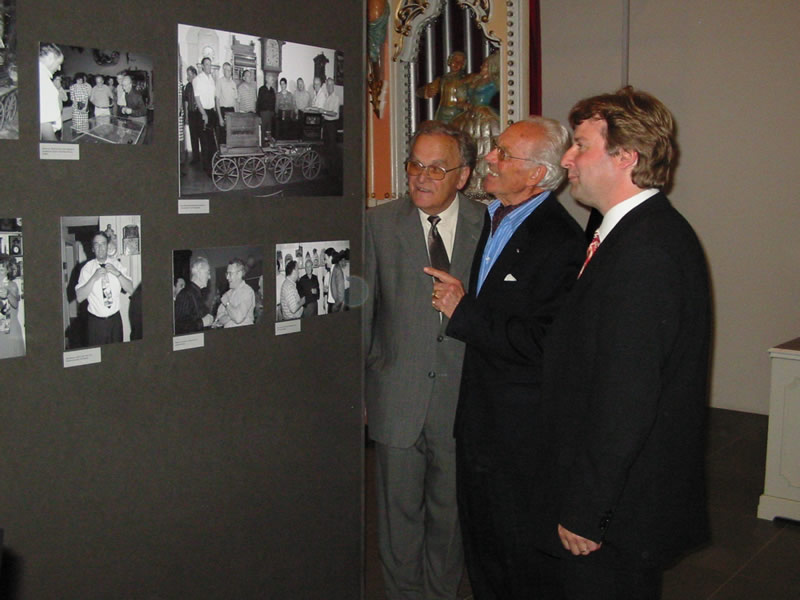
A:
(625, 393)
(413, 368)
(503, 328)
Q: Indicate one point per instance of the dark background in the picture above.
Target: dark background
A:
(229, 471)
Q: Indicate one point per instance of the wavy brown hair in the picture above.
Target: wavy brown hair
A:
(637, 121)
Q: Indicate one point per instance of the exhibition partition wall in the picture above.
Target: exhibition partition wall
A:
(180, 244)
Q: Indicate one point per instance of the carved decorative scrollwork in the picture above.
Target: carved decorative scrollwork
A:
(482, 9)
(410, 18)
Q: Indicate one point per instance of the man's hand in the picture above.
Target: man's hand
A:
(576, 544)
(110, 268)
(447, 291)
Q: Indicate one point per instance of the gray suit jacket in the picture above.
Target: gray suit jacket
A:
(413, 368)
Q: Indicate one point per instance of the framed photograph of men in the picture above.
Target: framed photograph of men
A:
(258, 115)
(102, 280)
(217, 288)
(94, 96)
(12, 289)
(311, 278)
(9, 119)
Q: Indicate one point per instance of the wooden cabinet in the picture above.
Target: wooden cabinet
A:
(781, 497)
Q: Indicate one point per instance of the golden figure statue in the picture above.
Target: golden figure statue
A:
(480, 120)
(450, 87)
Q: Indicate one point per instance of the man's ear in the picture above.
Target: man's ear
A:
(536, 176)
(463, 177)
(627, 158)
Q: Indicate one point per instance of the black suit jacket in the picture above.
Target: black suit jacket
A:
(625, 396)
(503, 328)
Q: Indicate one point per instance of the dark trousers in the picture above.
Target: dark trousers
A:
(100, 331)
(266, 122)
(329, 139)
(501, 559)
(195, 130)
(208, 142)
(222, 135)
(585, 580)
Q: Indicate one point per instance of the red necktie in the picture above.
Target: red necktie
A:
(590, 251)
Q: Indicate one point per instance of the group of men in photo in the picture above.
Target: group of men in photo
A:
(300, 294)
(537, 393)
(207, 99)
(90, 96)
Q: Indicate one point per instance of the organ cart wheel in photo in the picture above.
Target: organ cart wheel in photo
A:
(224, 173)
(282, 169)
(253, 171)
(311, 164)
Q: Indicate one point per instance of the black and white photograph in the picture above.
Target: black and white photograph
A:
(93, 96)
(9, 119)
(258, 115)
(12, 289)
(217, 288)
(311, 278)
(102, 280)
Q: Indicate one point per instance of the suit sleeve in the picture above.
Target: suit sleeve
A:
(373, 291)
(638, 316)
(516, 333)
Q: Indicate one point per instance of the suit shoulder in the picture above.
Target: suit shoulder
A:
(557, 220)
(388, 212)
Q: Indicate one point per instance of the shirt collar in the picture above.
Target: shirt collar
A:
(447, 215)
(618, 211)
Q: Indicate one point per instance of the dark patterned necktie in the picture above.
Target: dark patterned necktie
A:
(436, 249)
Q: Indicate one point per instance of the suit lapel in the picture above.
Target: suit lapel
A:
(466, 237)
(605, 251)
(518, 245)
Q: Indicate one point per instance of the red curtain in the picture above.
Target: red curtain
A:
(535, 92)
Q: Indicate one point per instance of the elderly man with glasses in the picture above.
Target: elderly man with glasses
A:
(528, 257)
(414, 368)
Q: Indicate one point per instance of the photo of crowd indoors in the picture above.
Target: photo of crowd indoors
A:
(93, 96)
(311, 278)
(9, 118)
(12, 294)
(217, 288)
(102, 280)
(259, 115)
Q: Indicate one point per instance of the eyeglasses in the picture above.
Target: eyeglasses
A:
(503, 155)
(415, 168)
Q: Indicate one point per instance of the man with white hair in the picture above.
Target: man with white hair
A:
(191, 311)
(135, 108)
(527, 259)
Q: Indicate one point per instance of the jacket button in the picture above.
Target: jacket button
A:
(439, 338)
(431, 374)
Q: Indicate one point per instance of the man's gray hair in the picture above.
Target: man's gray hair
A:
(551, 150)
(197, 262)
(466, 145)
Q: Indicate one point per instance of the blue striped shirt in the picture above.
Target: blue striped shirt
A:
(508, 226)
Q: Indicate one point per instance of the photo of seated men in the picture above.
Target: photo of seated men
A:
(102, 294)
(92, 96)
(311, 278)
(258, 114)
(217, 288)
